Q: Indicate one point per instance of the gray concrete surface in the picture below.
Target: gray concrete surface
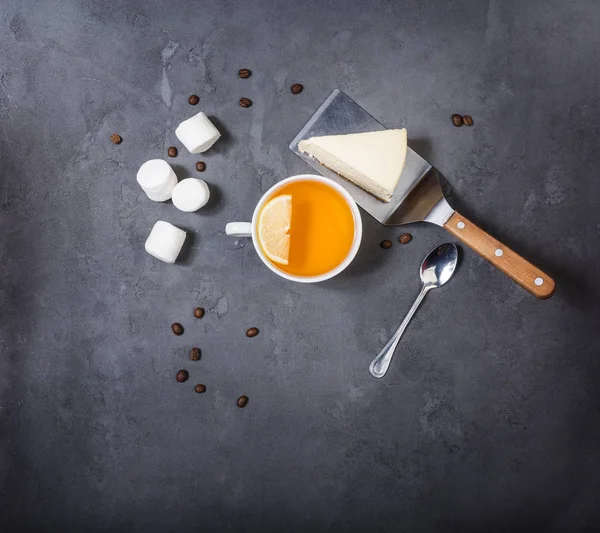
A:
(489, 419)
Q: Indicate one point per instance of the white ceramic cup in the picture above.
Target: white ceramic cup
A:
(248, 229)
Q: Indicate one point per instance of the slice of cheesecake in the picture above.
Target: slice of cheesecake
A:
(372, 160)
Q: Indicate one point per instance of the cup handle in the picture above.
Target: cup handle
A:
(239, 229)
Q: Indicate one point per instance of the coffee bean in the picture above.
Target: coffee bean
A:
(195, 354)
(182, 376)
(200, 166)
(193, 100)
(405, 238)
(198, 312)
(115, 138)
(172, 151)
(457, 120)
(386, 244)
(242, 401)
(468, 120)
(244, 73)
(245, 102)
(177, 328)
(252, 332)
(200, 388)
(297, 88)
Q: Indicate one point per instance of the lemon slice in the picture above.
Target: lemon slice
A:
(274, 222)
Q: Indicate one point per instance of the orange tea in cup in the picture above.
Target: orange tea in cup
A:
(306, 228)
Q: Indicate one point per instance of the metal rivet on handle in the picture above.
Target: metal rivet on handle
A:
(538, 281)
(460, 225)
(499, 253)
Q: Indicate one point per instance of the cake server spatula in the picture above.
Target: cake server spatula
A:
(418, 197)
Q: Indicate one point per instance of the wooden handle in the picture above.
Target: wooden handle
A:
(532, 279)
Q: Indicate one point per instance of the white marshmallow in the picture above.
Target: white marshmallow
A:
(190, 194)
(157, 179)
(197, 133)
(165, 241)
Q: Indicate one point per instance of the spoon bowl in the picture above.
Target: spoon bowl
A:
(439, 265)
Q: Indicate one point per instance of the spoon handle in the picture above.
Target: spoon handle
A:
(381, 363)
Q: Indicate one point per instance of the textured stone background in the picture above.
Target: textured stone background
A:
(489, 417)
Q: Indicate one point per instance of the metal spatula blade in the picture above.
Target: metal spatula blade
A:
(418, 197)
